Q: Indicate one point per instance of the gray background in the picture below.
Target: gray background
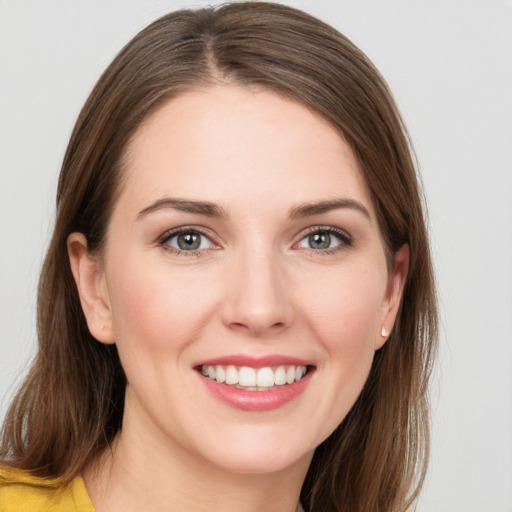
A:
(449, 64)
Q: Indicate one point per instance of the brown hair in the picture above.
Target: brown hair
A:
(71, 404)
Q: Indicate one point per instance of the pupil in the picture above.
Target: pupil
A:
(189, 241)
(320, 240)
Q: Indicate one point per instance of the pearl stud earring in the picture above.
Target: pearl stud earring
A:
(383, 332)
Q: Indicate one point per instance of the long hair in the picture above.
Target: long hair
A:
(70, 406)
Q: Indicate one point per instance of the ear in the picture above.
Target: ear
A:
(92, 288)
(393, 298)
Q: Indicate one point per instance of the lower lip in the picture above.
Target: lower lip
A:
(257, 400)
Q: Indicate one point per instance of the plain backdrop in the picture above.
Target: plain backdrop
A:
(449, 64)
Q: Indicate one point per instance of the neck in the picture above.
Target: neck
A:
(143, 473)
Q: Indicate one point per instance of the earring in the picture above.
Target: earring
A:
(102, 326)
(383, 332)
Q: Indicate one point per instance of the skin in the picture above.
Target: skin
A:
(255, 287)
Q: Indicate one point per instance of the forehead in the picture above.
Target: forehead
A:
(253, 142)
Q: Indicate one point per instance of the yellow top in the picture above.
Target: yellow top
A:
(22, 492)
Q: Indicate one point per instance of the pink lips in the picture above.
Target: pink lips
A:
(256, 400)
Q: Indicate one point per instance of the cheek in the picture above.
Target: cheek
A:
(343, 316)
(345, 308)
(154, 309)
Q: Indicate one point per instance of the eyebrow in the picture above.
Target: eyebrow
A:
(309, 209)
(212, 210)
(184, 205)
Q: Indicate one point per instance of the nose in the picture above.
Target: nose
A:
(258, 298)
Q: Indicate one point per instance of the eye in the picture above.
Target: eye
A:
(186, 240)
(325, 239)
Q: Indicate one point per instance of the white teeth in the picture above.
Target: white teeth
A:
(231, 375)
(280, 376)
(265, 378)
(254, 379)
(220, 374)
(247, 377)
(298, 373)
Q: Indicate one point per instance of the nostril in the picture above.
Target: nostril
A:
(256, 329)
(239, 325)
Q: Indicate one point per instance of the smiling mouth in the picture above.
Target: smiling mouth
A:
(254, 379)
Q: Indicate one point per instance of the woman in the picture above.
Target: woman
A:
(237, 306)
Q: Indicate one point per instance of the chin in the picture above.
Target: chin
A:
(260, 453)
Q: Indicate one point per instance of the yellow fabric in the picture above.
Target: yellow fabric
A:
(21, 492)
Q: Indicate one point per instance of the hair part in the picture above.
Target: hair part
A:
(70, 406)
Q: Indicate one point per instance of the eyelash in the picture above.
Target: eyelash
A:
(163, 241)
(345, 240)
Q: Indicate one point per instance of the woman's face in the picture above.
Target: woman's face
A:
(243, 251)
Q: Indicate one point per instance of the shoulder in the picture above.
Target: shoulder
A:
(22, 492)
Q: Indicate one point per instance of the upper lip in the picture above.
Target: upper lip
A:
(254, 361)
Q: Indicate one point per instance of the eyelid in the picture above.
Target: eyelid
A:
(342, 235)
(345, 238)
(171, 233)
